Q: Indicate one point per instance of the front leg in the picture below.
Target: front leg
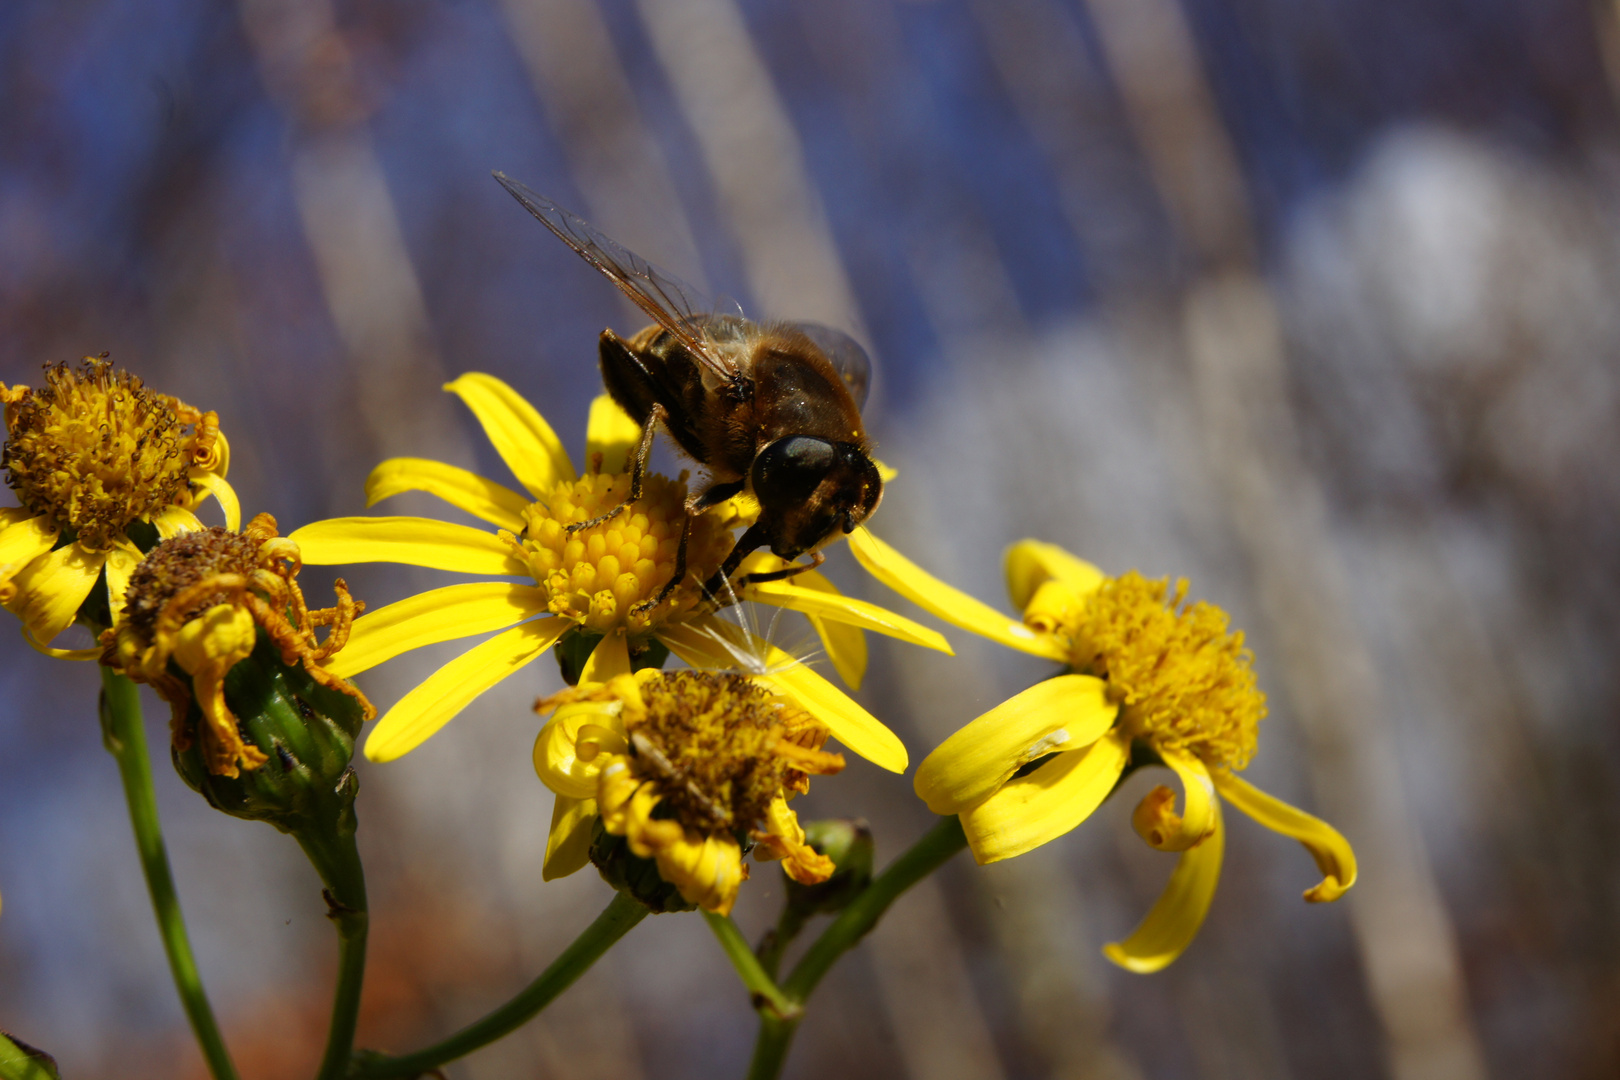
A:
(791, 571)
(695, 505)
(638, 470)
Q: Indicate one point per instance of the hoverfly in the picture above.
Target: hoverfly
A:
(772, 409)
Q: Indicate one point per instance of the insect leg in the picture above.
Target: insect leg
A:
(816, 559)
(754, 537)
(638, 470)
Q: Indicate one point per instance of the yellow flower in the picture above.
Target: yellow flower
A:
(94, 457)
(1153, 680)
(687, 767)
(199, 600)
(597, 579)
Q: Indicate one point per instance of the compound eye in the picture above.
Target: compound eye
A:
(790, 469)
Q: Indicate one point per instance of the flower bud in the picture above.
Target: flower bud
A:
(848, 843)
(632, 875)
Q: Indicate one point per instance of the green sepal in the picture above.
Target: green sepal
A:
(632, 875)
(577, 644)
(19, 1061)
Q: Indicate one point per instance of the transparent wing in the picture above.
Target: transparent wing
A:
(676, 306)
(847, 356)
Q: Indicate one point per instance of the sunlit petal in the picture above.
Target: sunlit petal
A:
(611, 433)
(954, 606)
(1156, 820)
(1045, 804)
(216, 485)
(1332, 852)
(1064, 714)
(495, 503)
(24, 541)
(568, 846)
(519, 434)
(610, 658)
(453, 687)
(428, 618)
(1032, 562)
(51, 588)
(828, 603)
(437, 545)
(704, 644)
(171, 521)
(121, 562)
(1170, 927)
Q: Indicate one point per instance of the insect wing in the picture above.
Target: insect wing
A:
(847, 358)
(676, 306)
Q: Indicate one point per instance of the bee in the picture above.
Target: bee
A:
(772, 409)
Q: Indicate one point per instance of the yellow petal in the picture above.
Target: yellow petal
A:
(1057, 796)
(24, 541)
(453, 687)
(558, 759)
(610, 659)
(431, 617)
(1156, 820)
(611, 433)
(171, 521)
(1063, 714)
(215, 485)
(1332, 852)
(495, 503)
(714, 643)
(829, 603)
(93, 653)
(885, 472)
(51, 588)
(845, 646)
(1033, 562)
(519, 434)
(954, 606)
(437, 545)
(1170, 927)
(121, 562)
(568, 847)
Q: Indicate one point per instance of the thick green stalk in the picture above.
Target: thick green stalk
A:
(853, 923)
(337, 860)
(125, 738)
(749, 969)
(615, 921)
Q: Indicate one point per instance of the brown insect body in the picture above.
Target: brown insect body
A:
(768, 408)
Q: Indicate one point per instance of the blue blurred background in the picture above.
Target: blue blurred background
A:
(1312, 302)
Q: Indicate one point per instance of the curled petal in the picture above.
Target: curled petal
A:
(519, 434)
(611, 433)
(1175, 918)
(1066, 713)
(171, 521)
(783, 839)
(568, 845)
(566, 760)
(1046, 803)
(453, 687)
(216, 485)
(428, 618)
(954, 606)
(495, 503)
(437, 545)
(1031, 563)
(1332, 852)
(1156, 820)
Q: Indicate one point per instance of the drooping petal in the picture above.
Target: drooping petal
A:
(610, 659)
(171, 521)
(51, 588)
(453, 687)
(223, 493)
(92, 653)
(24, 541)
(568, 846)
(954, 606)
(611, 433)
(1156, 820)
(829, 603)
(428, 618)
(845, 646)
(1057, 796)
(437, 545)
(714, 643)
(1332, 852)
(1064, 714)
(495, 503)
(121, 562)
(1175, 918)
(1032, 562)
(519, 434)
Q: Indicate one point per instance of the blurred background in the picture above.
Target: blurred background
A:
(1309, 301)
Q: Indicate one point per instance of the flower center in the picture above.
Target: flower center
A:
(1183, 681)
(95, 449)
(179, 563)
(718, 749)
(597, 576)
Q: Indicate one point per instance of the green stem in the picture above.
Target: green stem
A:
(853, 923)
(753, 974)
(336, 858)
(615, 921)
(124, 735)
